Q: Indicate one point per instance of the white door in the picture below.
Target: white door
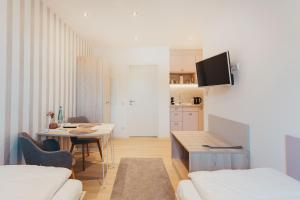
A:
(142, 114)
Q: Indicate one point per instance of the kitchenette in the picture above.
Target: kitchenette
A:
(186, 99)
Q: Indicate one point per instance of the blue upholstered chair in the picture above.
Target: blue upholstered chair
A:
(46, 154)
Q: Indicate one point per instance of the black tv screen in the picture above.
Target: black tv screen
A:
(214, 71)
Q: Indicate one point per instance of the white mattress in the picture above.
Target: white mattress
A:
(253, 184)
(71, 190)
(187, 191)
(29, 182)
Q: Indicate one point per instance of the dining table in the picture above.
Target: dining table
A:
(103, 131)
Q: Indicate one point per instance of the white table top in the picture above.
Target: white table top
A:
(101, 130)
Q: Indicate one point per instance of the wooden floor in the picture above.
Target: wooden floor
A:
(133, 147)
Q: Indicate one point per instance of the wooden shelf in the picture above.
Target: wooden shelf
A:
(182, 78)
(180, 168)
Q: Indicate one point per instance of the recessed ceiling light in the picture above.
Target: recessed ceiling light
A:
(85, 14)
(134, 13)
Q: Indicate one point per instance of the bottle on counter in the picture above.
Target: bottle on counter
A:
(181, 79)
(60, 117)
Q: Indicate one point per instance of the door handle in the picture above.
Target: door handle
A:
(131, 102)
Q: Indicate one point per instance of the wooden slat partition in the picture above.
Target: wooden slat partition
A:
(90, 88)
(38, 54)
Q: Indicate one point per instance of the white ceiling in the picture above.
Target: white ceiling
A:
(110, 23)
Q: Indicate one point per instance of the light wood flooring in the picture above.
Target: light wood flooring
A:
(146, 147)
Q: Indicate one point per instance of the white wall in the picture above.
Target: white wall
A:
(37, 69)
(263, 36)
(119, 60)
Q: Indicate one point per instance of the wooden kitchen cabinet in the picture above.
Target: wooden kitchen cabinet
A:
(176, 126)
(176, 116)
(190, 121)
(184, 60)
(186, 118)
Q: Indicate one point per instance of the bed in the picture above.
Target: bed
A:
(28, 182)
(249, 184)
(253, 184)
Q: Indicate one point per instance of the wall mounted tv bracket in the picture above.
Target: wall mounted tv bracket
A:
(234, 68)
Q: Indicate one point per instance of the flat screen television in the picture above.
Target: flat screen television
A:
(215, 71)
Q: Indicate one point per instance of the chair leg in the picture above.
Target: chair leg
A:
(83, 158)
(72, 148)
(99, 147)
(87, 149)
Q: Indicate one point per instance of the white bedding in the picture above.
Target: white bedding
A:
(71, 190)
(253, 184)
(29, 182)
(186, 191)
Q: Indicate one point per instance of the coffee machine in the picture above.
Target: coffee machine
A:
(197, 100)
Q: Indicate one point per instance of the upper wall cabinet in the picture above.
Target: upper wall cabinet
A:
(183, 60)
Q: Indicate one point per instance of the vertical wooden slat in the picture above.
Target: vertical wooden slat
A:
(51, 61)
(14, 79)
(56, 66)
(80, 47)
(85, 48)
(3, 56)
(67, 72)
(44, 66)
(65, 69)
(36, 66)
(62, 64)
(48, 64)
(59, 62)
(27, 64)
(31, 65)
(21, 61)
(8, 64)
(74, 74)
(41, 69)
(71, 66)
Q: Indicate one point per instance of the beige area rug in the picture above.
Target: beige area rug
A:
(142, 179)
